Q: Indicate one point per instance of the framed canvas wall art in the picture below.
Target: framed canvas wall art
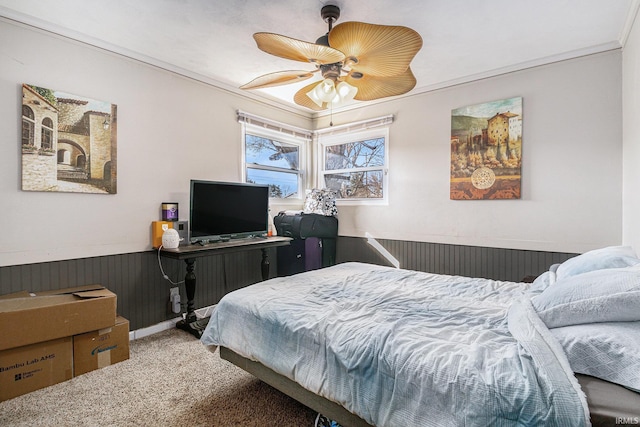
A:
(486, 150)
(68, 142)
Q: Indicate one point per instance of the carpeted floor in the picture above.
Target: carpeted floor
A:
(171, 379)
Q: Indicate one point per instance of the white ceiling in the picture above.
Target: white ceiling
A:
(212, 40)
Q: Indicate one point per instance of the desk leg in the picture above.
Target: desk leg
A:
(191, 323)
(265, 264)
(190, 287)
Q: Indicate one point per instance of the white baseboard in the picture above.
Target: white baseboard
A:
(167, 324)
(154, 329)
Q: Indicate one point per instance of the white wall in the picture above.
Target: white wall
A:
(571, 173)
(631, 140)
(170, 129)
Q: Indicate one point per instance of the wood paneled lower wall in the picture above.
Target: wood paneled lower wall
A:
(143, 294)
(472, 261)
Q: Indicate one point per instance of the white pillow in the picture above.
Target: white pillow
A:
(544, 280)
(609, 351)
(609, 295)
(541, 282)
(553, 269)
(598, 259)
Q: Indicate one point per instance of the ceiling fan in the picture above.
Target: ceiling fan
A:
(356, 60)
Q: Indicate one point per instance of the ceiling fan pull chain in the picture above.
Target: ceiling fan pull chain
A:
(331, 114)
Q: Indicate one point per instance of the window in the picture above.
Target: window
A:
(354, 163)
(28, 125)
(47, 133)
(275, 155)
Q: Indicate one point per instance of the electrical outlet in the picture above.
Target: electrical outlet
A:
(174, 300)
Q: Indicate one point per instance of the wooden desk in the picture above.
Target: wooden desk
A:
(189, 253)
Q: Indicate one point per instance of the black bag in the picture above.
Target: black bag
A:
(301, 226)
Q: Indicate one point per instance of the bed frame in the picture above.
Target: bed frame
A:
(292, 389)
(609, 403)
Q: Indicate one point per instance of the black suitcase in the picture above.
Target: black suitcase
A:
(313, 245)
(291, 258)
(301, 255)
(301, 226)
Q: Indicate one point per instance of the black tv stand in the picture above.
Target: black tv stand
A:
(190, 253)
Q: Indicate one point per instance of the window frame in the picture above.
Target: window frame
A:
(46, 134)
(355, 136)
(30, 122)
(300, 142)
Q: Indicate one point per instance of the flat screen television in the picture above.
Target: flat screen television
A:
(226, 210)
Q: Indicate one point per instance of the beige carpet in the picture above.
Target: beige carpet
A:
(170, 380)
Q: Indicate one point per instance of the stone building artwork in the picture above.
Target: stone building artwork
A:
(68, 142)
(486, 150)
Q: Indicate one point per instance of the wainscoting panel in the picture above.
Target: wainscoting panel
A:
(143, 294)
(491, 263)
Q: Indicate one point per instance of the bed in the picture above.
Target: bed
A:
(372, 345)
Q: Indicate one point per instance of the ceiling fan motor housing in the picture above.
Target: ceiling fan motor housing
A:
(331, 71)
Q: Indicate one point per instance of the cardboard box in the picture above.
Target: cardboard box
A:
(16, 295)
(98, 349)
(44, 316)
(35, 366)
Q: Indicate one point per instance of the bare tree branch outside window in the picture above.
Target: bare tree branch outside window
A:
(357, 169)
(273, 162)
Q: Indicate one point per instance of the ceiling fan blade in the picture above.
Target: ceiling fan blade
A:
(298, 50)
(302, 99)
(376, 87)
(380, 50)
(278, 78)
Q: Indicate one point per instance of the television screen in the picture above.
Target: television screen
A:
(227, 210)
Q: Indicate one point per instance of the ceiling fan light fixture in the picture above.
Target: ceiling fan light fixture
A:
(312, 95)
(322, 92)
(346, 92)
(326, 90)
